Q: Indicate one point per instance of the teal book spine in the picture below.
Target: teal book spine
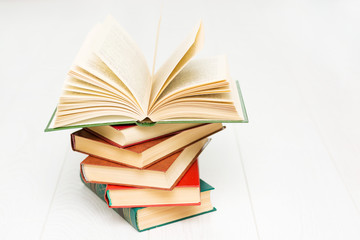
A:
(130, 214)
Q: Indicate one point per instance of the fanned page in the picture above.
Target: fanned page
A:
(181, 56)
(100, 88)
(202, 90)
(121, 54)
(110, 82)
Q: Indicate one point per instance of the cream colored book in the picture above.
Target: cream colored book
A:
(110, 82)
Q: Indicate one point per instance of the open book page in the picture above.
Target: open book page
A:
(78, 105)
(85, 117)
(189, 93)
(86, 90)
(197, 109)
(87, 61)
(235, 94)
(156, 48)
(121, 54)
(182, 55)
(74, 86)
(212, 97)
(90, 76)
(197, 75)
(85, 83)
(105, 119)
(70, 105)
(216, 106)
(90, 81)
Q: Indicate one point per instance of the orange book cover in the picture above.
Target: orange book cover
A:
(139, 148)
(144, 154)
(142, 175)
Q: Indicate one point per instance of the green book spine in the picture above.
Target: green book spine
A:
(130, 214)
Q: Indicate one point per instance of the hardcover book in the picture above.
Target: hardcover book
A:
(143, 219)
(164, 174)
(127, 135)
(110, 83)
(186, 192)
(143, 154)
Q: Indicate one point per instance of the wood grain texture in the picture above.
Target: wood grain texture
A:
(291, 173)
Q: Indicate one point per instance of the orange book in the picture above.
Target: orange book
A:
(164, 174)
(144, 154)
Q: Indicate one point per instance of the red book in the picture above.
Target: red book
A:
(164, 174)
(186, 192)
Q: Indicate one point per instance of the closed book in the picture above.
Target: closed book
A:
(143, 154)
(127, 135)
(164, 174)
(143, 219)
(186, 192)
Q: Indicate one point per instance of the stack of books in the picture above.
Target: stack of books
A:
(144, 130)
(149, 175)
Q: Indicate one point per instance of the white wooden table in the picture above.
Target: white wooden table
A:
(293, 172)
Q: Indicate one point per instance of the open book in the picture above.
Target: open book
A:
(110, 83)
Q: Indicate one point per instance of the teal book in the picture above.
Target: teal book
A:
(146, 218)
(109, 83)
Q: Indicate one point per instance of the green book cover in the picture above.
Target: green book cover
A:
(246, 120)
(130, 214)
